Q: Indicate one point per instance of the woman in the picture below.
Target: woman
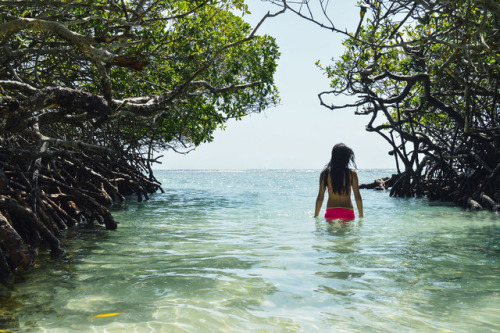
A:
(339, 180)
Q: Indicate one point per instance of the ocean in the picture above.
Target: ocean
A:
(240, 251)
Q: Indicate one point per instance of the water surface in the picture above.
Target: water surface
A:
(240, 252)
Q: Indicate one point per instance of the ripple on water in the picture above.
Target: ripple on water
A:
(239, 251)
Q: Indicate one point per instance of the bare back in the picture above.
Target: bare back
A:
(339, 199)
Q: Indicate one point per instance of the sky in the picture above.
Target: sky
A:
(299, 133)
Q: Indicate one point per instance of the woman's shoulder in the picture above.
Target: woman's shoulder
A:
(354, 176)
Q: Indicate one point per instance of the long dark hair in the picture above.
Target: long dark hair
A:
(338, 168)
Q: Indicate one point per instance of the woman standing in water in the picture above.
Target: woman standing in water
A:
(339, 180)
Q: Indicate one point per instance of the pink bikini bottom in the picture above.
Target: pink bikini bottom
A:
(339, 213)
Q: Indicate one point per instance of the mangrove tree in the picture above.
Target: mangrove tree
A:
(427, 74)
(92, 91)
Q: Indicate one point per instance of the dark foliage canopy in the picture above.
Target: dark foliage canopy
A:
(92, 91)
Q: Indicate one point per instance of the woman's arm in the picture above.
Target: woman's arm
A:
(321, 196)
(357, 195)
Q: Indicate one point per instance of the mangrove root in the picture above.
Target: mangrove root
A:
(43, 193)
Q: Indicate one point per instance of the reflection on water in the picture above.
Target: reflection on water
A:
(241, 252)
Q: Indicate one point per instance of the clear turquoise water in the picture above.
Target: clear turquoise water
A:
(240, 252)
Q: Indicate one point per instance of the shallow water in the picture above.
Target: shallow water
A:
(240, 252)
